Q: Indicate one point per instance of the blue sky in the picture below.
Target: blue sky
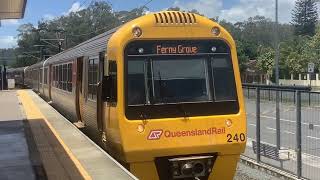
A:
(231, 10)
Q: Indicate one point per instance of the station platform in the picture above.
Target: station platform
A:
(36, 142)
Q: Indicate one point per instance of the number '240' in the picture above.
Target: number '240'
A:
(236, 137)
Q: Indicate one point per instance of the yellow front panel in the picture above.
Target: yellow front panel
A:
(142, 141)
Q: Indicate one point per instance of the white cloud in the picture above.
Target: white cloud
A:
(210, 8)
(10, 22)
(7, 41)
(250, 8)
(240, 11)
(48, 17)
(75, 7)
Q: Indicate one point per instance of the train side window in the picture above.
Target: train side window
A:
(92, 78)
(60, 77)
(65, 78)
(41, 75)
(53, 75)
(112, 82)
(57, 77)
(45, 75)
(69, 82)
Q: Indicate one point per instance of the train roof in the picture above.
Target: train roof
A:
(17, 69)
(87, 48)
(36, 65)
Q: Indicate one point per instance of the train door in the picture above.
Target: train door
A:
(100, 91)
(50, 74)
(80, 97)
(89, 99)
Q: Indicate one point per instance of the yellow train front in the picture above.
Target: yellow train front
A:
(176, 109)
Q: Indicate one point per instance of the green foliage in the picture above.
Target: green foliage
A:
(6, 56)
(304, 17)
(74, 28)
(242, 56)
(294, 56)
(265, 60)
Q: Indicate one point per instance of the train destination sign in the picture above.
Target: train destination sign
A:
(176, 49)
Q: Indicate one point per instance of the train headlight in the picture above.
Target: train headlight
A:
(198, 168)
(187, 169)
(215, 31)
(137, 32)
(141, 50)
(229, 122)
(140, 128)
(213, 49)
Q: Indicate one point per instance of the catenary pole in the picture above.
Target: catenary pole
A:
(277, 74)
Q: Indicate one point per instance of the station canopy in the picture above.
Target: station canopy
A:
(12, 9)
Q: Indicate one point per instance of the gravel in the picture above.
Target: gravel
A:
(247, 173)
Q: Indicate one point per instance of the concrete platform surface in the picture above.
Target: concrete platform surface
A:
(14, 154)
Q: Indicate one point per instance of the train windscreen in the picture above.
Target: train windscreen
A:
(165, 80)
(179, 80)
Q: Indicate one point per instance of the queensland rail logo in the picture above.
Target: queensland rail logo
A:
(155, 134)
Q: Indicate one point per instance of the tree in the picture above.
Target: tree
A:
(294, 54)
(304, 17)
(179, 9)
(7, 56)
(126, 16)
(242, 56)
(265, 61)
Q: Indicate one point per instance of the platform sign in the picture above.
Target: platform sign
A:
(310, 67)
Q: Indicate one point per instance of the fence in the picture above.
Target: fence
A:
(284, 134)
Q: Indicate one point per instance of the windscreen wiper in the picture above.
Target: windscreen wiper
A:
(183, 110)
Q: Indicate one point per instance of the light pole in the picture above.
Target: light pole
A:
(277, 74)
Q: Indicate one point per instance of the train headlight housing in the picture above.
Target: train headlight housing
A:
(188, 167)
(137, 31)
(215, 31)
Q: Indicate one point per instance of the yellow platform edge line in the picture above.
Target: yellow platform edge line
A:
(33, 112)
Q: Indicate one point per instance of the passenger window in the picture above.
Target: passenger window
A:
(60, 77)
(69, 81)
(45, 75)
(41, 75)
(92, 78)
(113, 81)
(64, 78)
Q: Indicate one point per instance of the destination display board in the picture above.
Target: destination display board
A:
(181, 47)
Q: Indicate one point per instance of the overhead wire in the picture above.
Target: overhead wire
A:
(145, 5)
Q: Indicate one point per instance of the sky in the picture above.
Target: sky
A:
(230, 10)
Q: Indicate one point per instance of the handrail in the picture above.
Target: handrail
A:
(277, 87)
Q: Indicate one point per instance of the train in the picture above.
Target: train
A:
(18, 75)
(161, 94)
